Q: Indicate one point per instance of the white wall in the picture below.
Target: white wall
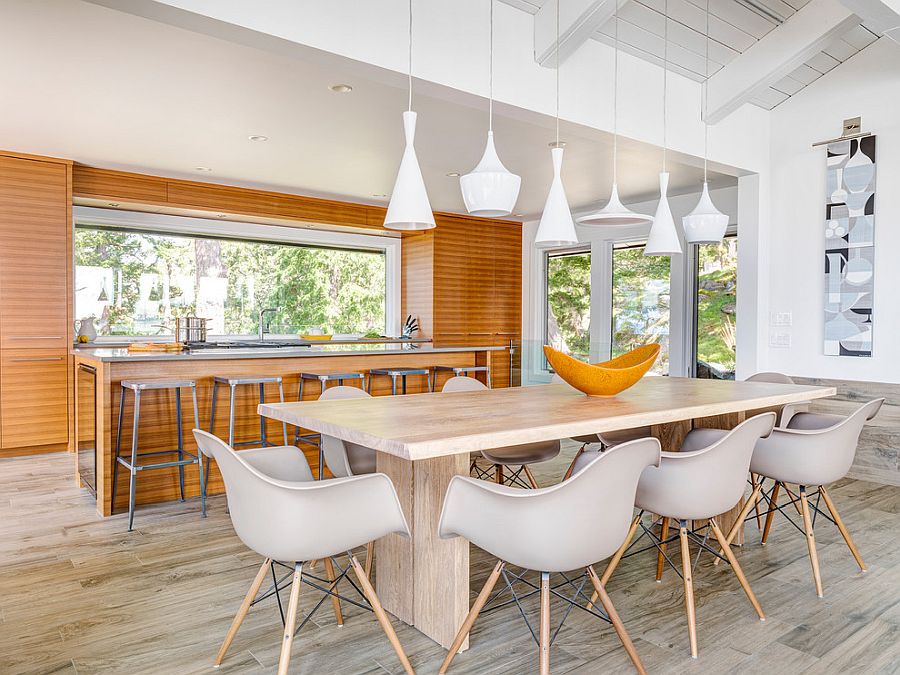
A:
(867, 85)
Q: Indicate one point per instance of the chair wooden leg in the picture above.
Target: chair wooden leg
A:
(810, 541)
(370, 558)
(572, 464)
(531, 480)
(614, 561)
(739, 521)
(380, 614)
(729, 554)
(688, 588)
(545, 624)
(773, 502)
(756, 482)
(616, 621)
(472, 615)
(335, 600)
(660, 557)
(290, 622)
(498, 474)
(844, 532)
(242, 611)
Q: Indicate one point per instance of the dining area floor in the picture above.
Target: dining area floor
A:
(80, 594)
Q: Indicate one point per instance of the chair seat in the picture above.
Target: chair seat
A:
(611, 438)
(282, 462)
(813, 421)
(360, 458)
(698, 439)
(399, 371)
(332, 376)
(246, 379)
(141, 385)
(528, 453)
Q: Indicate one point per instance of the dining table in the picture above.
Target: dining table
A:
(424, 440)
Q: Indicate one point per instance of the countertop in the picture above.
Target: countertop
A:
(121, 354)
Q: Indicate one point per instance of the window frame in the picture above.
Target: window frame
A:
(545, 259)
(300, 234)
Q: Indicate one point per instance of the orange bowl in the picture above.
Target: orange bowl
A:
(603, 379)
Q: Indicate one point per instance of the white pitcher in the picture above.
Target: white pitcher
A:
(86, 328)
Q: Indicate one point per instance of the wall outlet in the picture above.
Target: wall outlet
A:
(782, 319)
(779, 339)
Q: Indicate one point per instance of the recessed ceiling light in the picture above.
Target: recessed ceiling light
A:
(202, 168)
(519, 215)
(453, 174)
(379, 196)
(258, 138)
(221, 215)
(341, 88)
(113, 204)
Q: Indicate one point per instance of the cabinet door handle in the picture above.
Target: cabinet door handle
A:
(37, 337)
(42, 358)
(479, 333)
(506, 333)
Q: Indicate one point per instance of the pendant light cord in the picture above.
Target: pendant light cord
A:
(410, 53)
(706, 102)
(491, 72)
(665, 73)
(616, 94)
(557, 72)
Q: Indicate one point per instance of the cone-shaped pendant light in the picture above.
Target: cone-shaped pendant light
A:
(409, 208)
(556, 227)
(490, 190)
(705, 224)
(615, 213)
(663, 239)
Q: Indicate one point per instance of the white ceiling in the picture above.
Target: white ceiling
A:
(734, 26)
(110, 89)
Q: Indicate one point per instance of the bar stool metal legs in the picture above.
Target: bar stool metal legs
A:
(132, 464)
(402, 374)
(233, 383)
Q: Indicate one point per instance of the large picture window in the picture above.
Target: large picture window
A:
(715, 304)
(568, 325)
(641, 300)
(136, 282)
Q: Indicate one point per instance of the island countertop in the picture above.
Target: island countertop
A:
(122, 354)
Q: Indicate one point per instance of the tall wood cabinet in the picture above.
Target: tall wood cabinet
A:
(35, 303)
(463, 280)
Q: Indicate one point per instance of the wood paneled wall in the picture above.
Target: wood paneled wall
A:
(878, 455)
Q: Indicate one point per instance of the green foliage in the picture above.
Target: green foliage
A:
(569, 303)
(159, 277)
(716, 298)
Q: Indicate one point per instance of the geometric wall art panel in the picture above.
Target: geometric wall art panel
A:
(849, 246)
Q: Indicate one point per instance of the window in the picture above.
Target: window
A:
(640, 302)
(136, 282)
(715, 303)
(568, 325)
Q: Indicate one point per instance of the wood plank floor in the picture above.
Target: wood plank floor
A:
(82, 595)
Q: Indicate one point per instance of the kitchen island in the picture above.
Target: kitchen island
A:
(97, 405)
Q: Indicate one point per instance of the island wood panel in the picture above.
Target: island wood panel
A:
(158, 430)
(34, 402)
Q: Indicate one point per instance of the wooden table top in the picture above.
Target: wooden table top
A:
(421, 426)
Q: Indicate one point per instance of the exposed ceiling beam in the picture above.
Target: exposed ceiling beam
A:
(800, 38)
(880, 16)
(578, 19)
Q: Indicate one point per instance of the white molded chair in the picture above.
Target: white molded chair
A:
(344, 458)
(789, 410)
(672, 491)
(546, 530)
(813, 451)
(513, 455)
(295, 521)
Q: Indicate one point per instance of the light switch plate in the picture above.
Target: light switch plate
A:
(779, 339)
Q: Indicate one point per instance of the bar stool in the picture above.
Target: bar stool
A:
(323, 379)
(233, 383)
(402, 373)
(137, 387)
(462, 371)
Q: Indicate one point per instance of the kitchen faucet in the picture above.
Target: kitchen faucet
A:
(263, 324)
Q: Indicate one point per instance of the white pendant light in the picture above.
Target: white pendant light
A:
(490, 190)
(409, 208)
(556, 227)
(663, 239)
(615, 213)
(705, 224)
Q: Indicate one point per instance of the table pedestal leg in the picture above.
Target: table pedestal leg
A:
(424, 580)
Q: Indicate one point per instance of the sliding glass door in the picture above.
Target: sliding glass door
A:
(715, 309)
(568, 311)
